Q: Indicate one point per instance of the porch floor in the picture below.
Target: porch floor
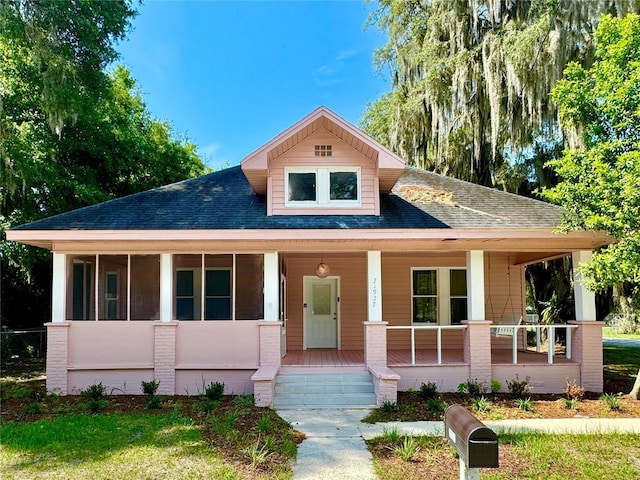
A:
(321, 357)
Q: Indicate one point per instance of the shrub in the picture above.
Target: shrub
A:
(149, 388)
(392, 436)
(246, 400)
(407, 449)
(525, 404)
(612, 401)
(257, 454)
(94, 397)
(573, 390)
(519, 388)
(154, 402)
(570, 403)
(435, 405)
(209, 405)
(389, 406)
(214, 390)
(428, 390)
(481, 404)
(471, 387)
(496, 386)
(264, 423)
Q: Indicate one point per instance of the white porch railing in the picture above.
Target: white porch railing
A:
(551, 338)
(437, 328)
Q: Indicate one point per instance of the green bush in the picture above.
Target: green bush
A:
(214, 390)
(149, 388)
(428, 390)
(519, 388)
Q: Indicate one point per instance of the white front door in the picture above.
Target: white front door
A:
(321, 312)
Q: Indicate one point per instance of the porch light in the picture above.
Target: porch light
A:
(322, 269)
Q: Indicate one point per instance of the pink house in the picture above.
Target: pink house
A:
(321, 260)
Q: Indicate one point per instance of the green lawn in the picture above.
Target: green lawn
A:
(620, 367)
(608, 332)
(109, 447)
(522, 456)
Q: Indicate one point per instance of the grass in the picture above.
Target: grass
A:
(620, 367)
(609, 332)
(522, 456)
(117, 446)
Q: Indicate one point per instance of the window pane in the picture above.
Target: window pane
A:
(184, 283)
(217, 309)
(302, 187)
(184, 308)
(425, 282)
(458, 279)
(321, 297)
(218, 283)
(79, 297)
(343, 186)
(112, 285)
(458, 310)
(425, 310)
(80, 300)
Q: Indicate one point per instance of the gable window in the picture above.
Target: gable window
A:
(323, 150)
(323, 187)
(438, 295)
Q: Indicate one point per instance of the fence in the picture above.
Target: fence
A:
(27, 343)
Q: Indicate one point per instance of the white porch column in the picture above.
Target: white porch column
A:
(585, 300)
(166, 287)
(475, 285)
(374, 286)
(59, 288)
(271, 287)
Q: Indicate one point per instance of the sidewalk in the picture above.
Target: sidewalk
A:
(335, 448)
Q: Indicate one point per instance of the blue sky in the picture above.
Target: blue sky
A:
(231, 75)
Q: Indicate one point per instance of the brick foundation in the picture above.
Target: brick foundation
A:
(477, 350)
(375, 344)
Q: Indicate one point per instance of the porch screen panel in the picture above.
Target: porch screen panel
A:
(218, 287)
(249, 287)
(112, 287)
(425, 296)
(458, 295)
(145, 287)
(81, 288)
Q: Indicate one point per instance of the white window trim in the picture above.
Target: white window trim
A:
(322, 187)
(107, 298)
(443, 296)
(199, 292)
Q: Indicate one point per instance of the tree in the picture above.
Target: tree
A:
(71, 132)
(600, 175)
(471, 79)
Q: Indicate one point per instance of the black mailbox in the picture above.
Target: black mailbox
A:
(476, 444)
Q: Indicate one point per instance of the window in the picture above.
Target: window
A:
(111, 295)
(425, 296)
(323, 186)
(81, 290)
(323, 151)
(217, 295)
(457, 296)
(185, 299)
(439, 295)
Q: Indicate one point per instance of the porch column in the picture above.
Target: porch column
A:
(585, 300)
(477, 336)
(166, 287)
(59, 288)
(475, 285)
(271, 287)
(270, 328)
(375, 330)
(58, 330)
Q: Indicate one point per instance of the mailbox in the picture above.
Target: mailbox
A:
(476, 444)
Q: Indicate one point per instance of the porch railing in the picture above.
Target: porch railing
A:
(437, 328)
(551, 338)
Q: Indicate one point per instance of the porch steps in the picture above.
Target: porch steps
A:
(324, 390)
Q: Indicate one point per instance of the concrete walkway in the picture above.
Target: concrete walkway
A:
(335, 448)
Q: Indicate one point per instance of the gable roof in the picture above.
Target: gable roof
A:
(256, 164)
(225, 200)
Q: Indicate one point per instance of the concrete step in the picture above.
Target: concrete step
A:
(316, 390)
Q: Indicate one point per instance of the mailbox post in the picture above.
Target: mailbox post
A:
(476, 444)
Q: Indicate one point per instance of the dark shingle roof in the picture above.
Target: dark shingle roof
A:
(224, 200)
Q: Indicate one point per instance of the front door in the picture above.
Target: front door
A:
(321, 312)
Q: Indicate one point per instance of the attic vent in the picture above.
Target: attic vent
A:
(323, 150)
